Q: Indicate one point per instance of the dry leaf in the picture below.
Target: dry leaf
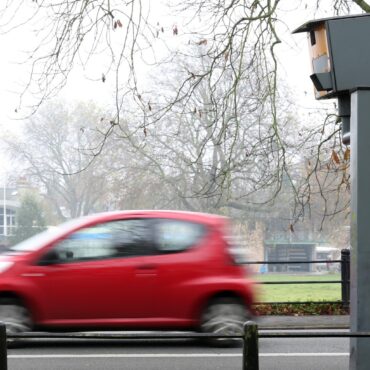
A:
(145, 131)
(119, 24)
(175, 30)
(103, 77)
(149, 106)
(202, 42)
(291, 228)
(334, 157)
(347, 154)
(115, 25)
(226, 55)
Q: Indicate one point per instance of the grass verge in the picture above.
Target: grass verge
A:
(316, 292)
(298, 292)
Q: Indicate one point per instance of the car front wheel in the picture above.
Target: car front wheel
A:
(15, 316)
(225, 317)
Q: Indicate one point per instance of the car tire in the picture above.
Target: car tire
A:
(224, 316)
(15, 316)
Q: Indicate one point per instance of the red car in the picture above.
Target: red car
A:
(132, 270)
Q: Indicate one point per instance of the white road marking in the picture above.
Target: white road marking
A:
(175, 355)
(321, 354)
(130, 355)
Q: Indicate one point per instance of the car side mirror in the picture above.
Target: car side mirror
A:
(51, 257)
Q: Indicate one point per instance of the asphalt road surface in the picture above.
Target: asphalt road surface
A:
(275, 353)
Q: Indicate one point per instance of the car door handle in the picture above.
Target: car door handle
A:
(147, 266)
(146, 270)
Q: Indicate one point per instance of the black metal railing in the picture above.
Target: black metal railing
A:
(344, 281)
(250, 338)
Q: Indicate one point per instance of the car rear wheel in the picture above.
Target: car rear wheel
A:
(225, 316)
(15, 316)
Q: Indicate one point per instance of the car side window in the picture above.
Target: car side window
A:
(122, 238)
(132, 237)
(176, 235)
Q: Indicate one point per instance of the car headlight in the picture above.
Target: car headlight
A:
(5, 265)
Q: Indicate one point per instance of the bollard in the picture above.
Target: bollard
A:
(250, 346)
(3, 353)
(345, 276)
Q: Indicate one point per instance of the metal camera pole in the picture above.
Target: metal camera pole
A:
(340, 59)
(360, 227)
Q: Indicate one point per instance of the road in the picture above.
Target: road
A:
(287, 354)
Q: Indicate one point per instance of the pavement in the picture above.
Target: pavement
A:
(303, 322)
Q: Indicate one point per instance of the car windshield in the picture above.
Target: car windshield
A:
(38, 241)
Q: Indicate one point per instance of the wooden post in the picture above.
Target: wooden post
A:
(3, 348)
(250, 346)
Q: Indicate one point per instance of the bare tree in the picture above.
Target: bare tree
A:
(238, 39)
(218, 154)
(55, 155)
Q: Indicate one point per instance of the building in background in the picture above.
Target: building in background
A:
(9, 203)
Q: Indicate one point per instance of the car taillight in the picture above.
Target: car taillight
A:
(234, 249)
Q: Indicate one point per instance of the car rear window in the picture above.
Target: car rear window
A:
(176, 235)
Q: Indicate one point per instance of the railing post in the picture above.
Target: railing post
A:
(3, 348)
(345, 275)
(250, 346)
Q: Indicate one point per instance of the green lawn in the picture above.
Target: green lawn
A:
(298, 292)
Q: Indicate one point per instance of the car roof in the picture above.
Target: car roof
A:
(206, 218)
(54, 233)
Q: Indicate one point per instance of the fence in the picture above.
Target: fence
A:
(250, 338)
(344, 281)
